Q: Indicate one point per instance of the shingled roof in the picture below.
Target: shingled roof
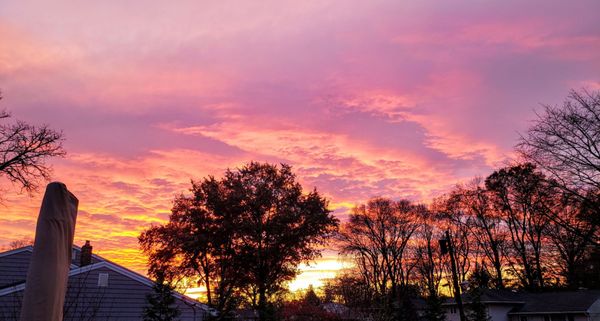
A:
(554, 302)
(493, 296)
(538, 302)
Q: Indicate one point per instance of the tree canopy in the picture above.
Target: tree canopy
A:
(244, 233)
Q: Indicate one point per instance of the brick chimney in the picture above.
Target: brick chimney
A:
(86, 254)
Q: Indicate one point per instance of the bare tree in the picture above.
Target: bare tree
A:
(17, 244)
(377, 236)
(565, 141)
(350, 289)
(521, 195)
(572, 245)
(24, 149)
(465, 251)
(430, 262)
(484, 224)
(454, 220)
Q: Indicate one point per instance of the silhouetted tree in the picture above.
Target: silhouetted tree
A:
(199, 242)
(310, 297)
(16, 244)
(160, 303)
(430, 263)
(429, 269)
(483, 222)
(521, 194)
(246, 232)
(589, 270)
(452, 218)
(376, 236)
(480, 278)
(24, 149)
(403, 307)
(307, 309)
(434, 311)
(476, 310)
(349, 289)
(570, 236)
(565, 141)
(279, 227)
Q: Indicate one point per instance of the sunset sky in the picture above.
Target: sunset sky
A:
(363, 98)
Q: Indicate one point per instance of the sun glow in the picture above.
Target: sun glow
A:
(315, 274)
(318, 273)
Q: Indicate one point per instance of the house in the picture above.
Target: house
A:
(505, 305)
(583, 305)
(98, 289)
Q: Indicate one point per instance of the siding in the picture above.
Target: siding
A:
(499, 312)
(123, 299)
(496, 312)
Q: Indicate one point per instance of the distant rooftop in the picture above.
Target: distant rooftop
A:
(538, 302)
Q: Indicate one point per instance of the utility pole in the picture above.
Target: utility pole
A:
(447, 246)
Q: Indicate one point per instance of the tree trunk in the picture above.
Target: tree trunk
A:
(207, 275)
(540, 273)
(498, 267)
(262, 304)
(208, 294)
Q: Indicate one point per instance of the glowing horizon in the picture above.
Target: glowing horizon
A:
(401, 99)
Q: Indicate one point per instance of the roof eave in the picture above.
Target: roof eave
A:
(487, 302)
(547, 312)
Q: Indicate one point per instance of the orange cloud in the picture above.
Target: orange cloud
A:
(326, 157)
(119, 198)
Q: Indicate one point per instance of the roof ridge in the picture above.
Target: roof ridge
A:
(17, 250)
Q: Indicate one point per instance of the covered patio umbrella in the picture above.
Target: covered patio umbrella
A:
(48, 272)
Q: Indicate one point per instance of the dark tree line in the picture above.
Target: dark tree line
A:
(532, 225)
(519, 237)
(503, 233)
